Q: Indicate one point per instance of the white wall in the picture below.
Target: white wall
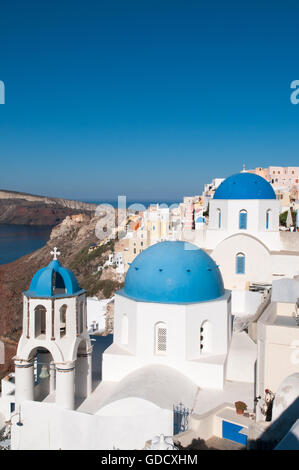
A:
(285, 290)
(245, 302)
(256, 221)
(257, 261)
(46, 426)
(241, 359)
(96, 313)
(183, 339)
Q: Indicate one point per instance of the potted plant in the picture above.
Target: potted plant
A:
(240, 407)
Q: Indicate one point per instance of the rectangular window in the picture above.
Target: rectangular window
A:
(240, 268)
(243, 220)
(161, 339)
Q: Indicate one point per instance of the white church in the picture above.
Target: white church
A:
(173, 339)
(243, 234)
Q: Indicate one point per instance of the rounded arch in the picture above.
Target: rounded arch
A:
(244, 235)
(62, 319)
(80, 345)
(40, 320)
(29, 352)
(43, 372)
(258, 260)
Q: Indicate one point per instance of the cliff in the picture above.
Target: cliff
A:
(73, 238)
(29, 209)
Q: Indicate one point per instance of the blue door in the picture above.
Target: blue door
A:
(231, 431)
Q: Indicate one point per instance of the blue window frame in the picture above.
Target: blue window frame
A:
(240, 263)
(243, 220)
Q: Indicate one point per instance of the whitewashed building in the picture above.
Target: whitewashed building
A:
(173, 334)
(172, 311)
(243, 233)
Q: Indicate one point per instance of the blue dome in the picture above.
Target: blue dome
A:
(245, 186)
(53, 280)
(173, 272)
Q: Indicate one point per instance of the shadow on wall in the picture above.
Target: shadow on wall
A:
(100, 344)
(278, 429)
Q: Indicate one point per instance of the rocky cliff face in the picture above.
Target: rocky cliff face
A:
(73, 238)
(28, 209)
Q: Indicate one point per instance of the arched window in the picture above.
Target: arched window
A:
(62, 310)
(58, 286)
(243, 220)
(206, 337)
(240, 263)
(219, 218)
(160, 338)
(125, 329)
(268, 219)
(40, 320)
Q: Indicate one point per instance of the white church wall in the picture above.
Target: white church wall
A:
(274, 207)
(216, 312)
(256, 255)
(124, 306)
(46, 426)
(256, 221)
(182, 323)
(68, 343)
(215, 206)
(245, 302)
(173, 316)
(117, 363)
(207, 373)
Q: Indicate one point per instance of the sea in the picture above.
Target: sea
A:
(19, 240)
(130, 203)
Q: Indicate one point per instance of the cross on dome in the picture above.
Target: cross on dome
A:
(55, 253)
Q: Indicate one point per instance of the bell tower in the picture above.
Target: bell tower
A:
(54, 355)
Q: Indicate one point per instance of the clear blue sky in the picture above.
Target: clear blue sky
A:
(145, 98)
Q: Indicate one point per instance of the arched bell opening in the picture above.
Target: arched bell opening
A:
(58, 286)
(62, 317)
(40, 321)
(44, 373)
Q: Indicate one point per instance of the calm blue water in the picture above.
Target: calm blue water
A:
(129, 203)
(19, 240)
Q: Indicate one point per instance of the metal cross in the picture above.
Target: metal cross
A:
(55, 253)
